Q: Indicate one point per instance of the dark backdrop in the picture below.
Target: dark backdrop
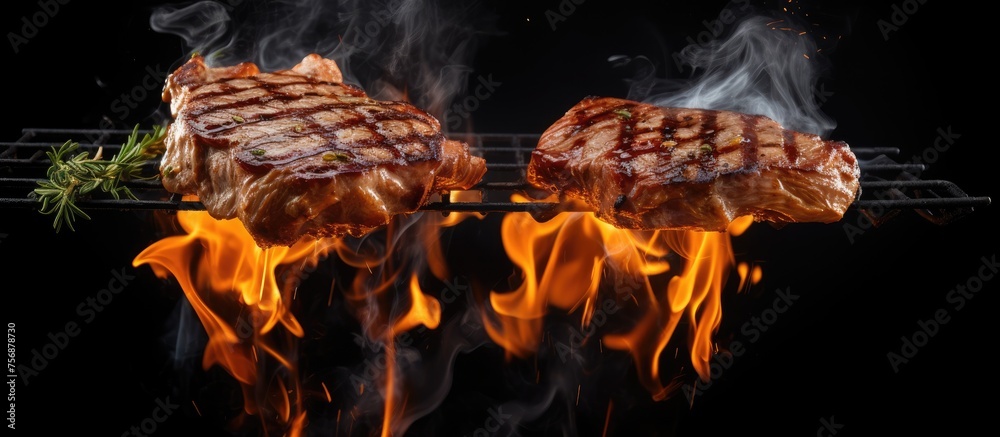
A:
(824, 361)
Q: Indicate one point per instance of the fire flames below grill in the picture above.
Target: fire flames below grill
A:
(573, 267)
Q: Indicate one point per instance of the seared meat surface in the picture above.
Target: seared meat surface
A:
(641, 166)
(297, 153)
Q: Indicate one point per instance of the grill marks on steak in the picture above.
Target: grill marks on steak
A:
(296, 152)
(641, 166)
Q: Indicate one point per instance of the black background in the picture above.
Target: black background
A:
(826, 357)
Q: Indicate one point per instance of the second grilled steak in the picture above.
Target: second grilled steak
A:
(640, 166)
(297, 153)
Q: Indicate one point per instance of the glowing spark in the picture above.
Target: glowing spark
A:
(578, 395)
(607, 418)
(338, 422)
(263, 273)
(691, 404)
(806, 56)
(328, 397)
(196, 409)
(390, 358)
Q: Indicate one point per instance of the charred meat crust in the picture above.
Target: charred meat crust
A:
(640, 166)
(297, 153)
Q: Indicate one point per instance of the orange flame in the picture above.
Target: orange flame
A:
(424, 310)
(564, 262)
(231, 284)
(378, 307)
(456, 196)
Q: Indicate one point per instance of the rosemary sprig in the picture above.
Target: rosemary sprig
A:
(71, 177)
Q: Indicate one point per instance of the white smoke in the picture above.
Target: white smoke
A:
(203, 25)
(417, 50)
(765, 66)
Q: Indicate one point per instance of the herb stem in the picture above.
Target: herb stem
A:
(71, 177)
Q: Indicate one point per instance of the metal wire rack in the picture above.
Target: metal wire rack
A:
(886, 185)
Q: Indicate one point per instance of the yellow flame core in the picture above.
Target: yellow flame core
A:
(564, 262)
(232, 287)
(240, 300)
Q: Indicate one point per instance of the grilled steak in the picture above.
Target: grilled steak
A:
(640, 166)
(298, 153)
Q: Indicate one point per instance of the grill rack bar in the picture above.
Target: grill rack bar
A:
(890, 183)
(488, 207)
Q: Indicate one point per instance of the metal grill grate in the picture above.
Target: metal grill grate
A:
(886, 185)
